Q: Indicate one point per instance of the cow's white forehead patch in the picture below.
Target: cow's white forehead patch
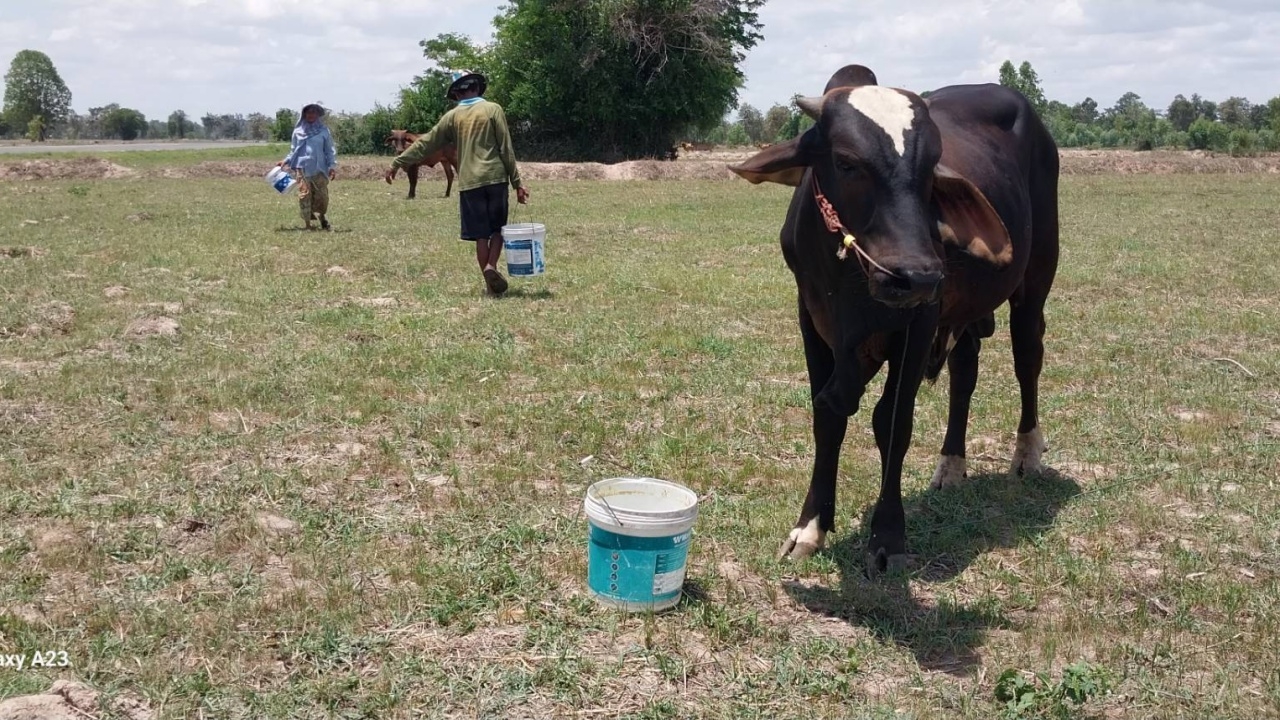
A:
(889, 109)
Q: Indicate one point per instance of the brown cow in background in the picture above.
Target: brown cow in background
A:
(400, 140)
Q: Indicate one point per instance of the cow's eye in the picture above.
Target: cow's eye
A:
(850, 168)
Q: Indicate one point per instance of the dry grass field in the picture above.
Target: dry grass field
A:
(251, 472)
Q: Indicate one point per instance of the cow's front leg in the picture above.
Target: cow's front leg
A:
(846, 382)
(893, 420)
(818, 515)
(412, 172)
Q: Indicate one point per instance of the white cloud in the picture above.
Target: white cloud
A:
(1097, 48)
(258, 55)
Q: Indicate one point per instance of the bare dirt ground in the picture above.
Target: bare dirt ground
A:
(14, 147)
(710, 165)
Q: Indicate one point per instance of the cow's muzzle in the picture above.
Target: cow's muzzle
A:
(906, 288)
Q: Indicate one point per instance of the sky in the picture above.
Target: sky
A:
(242, 56)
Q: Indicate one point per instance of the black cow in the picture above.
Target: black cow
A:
(913, 220)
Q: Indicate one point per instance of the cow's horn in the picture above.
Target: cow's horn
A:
(812, 106)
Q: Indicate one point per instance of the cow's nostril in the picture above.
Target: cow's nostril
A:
(925, 282)
(912, 281)
(898, 281)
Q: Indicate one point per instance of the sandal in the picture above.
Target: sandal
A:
(497, 284)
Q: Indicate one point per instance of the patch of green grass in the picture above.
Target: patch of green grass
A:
(1041, 696)
(351, 484)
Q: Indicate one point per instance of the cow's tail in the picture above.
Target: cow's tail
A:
(947, 338)
(938, 355)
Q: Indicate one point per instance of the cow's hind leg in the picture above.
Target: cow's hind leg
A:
(1026, 330)
(818, 516)
(962, 367)
(1026, 311)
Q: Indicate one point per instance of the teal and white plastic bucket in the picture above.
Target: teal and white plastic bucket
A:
(281, 180)
(640, 530)
(524, 244)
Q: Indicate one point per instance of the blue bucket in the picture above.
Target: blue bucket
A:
(524, 245)
(640, 531)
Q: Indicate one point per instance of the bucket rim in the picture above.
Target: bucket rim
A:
(529, 227)
(601, 513)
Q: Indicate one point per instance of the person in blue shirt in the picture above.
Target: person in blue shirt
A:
(314, 161)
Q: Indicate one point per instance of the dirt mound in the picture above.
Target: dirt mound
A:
(82, 168)
(631, 170)
(710, 165)
(375, 169)
(54, 318)
(7, 253)
(152, 327)
(1162, 162)
(71, 701)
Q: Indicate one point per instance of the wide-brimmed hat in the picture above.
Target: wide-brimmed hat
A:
(313, 106)
(464, 79)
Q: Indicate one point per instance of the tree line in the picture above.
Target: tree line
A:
(1235, 125)
(593, 79)
(617, 79)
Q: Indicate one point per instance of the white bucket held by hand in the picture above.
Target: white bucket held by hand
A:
(281, 180)
(640, 532)
(524, 244)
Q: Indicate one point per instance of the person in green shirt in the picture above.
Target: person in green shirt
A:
(486, 167)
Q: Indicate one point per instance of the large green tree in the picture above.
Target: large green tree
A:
(282, 126)
(1206, 109)
(259, 126)
(425, 100)
(32, 88)
(611, 79)
(752, 122)
(1085, 111)
(1025, 80)
(774, 121)
(179, 125)
(1182, 112)
(1234, 111)
(124, 123)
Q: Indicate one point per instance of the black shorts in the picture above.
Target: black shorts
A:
(483, 210)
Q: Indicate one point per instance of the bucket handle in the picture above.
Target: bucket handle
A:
(612, 514)
(530, 223)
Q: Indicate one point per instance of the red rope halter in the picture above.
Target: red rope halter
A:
(832, 220)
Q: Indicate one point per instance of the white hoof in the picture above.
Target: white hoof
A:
(803, 542)
(1028, 453)
(951, 472)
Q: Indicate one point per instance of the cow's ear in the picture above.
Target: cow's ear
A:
(967, 221)
(783, 163)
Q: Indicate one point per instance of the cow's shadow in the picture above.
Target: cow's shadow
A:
(946, 531)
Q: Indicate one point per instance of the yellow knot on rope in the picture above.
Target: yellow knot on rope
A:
(849, 242)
